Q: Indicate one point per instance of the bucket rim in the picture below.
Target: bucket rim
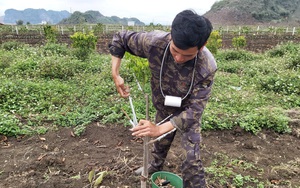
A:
(162, 173)
(165, 172)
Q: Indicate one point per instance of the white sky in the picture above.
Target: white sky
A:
(156, 11)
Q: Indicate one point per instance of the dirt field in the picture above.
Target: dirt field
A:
(60, 159)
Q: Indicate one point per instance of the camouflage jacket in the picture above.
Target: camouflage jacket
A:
(175, 78)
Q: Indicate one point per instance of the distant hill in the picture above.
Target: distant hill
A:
(34, 16)
(251, 12)
(96, 17)
(37, 16)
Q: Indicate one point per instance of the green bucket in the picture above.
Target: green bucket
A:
(174, 179)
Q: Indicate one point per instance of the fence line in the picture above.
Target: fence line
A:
(105, 29)
(240, 30)
(258, 39)
(62, 29)
(256, 43)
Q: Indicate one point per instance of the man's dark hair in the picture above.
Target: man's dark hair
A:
(190, 30)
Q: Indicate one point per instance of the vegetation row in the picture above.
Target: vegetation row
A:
(55, 85)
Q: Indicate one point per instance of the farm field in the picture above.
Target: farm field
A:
(61, 119)
(57, 159)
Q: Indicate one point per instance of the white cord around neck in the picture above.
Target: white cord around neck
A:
(160, 75)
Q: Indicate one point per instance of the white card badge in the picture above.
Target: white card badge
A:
(172, 101)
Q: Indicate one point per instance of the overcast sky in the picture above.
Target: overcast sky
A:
(147, 11)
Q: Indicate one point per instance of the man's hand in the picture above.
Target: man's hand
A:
(119, 81)
(147, 128)
(123, 90)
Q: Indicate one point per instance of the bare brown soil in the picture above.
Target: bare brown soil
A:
(60, 159)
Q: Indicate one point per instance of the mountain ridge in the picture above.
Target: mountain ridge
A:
(92, 16)
(42, 16)
(34, 16)
(245, 12)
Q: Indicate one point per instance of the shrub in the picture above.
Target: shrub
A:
(214, 42)
(293, 62)
(5, 61)
(230, 67)
(12, 45)
(287, 84)
(27, 68)
(9, 124)
(53, 49)
(83, 44)
(269, 118)
(283, 49)
(239, 42)
(231, 55)
(99, 28)
(50, 34)
(140, 68)
(53, 68)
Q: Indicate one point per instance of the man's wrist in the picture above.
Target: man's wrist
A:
(165, 127)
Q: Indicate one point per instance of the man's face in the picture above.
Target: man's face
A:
(182, 56)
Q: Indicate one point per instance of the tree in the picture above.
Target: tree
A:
(19, 22)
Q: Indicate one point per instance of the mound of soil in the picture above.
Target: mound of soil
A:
(60, 159)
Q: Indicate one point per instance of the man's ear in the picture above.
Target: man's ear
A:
(203, 46)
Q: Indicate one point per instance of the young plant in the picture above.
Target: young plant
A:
(139, 67)
(96, 179)
(214, 42)
(239, 42)
(84, 44)
(50, 34)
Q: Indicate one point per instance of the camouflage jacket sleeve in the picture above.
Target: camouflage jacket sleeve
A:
(136, 43)
(194, 106)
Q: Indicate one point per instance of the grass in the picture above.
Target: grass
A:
(47, 86)
(224, 168)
